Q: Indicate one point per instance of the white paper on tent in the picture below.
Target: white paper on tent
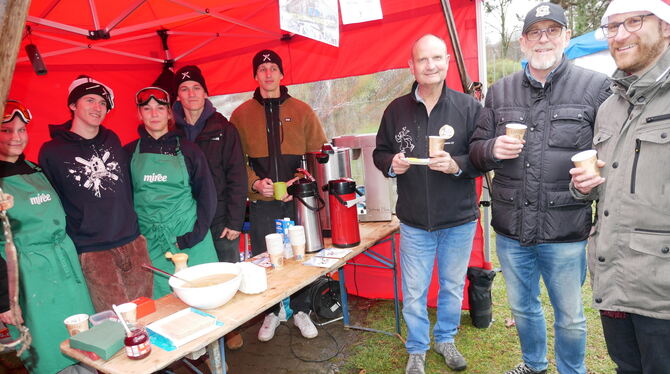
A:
(185, 325)
(357, 11)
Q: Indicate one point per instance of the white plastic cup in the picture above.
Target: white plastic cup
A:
(587, 160)
(128, 312)
(296, 235)
(275, 247)
(76, 323)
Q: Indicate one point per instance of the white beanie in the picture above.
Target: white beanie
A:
(660, 8)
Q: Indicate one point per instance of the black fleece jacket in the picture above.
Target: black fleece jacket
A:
(200, 179)
(429, 199)
(220, 142)
(92, 179)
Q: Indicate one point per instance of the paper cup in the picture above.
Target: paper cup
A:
(296, 235)
(275, 246)
(435, 144)
(587, 160)
(76, 323)
(128, 312)
(516, 130)
(279, 190)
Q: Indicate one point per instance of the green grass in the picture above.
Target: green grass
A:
(488, 351)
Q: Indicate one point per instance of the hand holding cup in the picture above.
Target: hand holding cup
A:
(586, 173)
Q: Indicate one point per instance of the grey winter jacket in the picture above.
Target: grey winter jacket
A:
(531, 201)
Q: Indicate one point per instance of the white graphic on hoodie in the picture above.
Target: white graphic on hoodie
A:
(405, 140)
(95, 174)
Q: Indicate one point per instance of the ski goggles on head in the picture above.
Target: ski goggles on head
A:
(143, 96)
(14, 108)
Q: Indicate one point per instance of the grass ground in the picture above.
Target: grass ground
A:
(488, 351)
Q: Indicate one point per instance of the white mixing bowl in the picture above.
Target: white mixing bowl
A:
(207, 297)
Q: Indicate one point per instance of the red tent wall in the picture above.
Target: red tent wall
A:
(364, 48)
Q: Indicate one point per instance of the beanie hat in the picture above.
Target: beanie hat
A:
(189, 73)
(264, 56)
(85, 85)
(542, 12)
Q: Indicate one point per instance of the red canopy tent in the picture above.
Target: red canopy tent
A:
(220, 36)
(118, 42)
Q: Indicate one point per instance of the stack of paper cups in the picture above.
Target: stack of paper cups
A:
(297, 236)
(275, 246)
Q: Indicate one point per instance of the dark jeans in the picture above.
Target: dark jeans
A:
(226, 250)
(262, 215)
(638, 344)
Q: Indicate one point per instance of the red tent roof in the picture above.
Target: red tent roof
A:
(220, 36)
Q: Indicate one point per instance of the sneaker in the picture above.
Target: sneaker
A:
(522, 368)
(452, 357)
(305, 324)
(234, 340)
(267, 331)
(416, 363)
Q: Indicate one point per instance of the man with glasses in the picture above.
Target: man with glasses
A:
(629, 251)
(541, 229)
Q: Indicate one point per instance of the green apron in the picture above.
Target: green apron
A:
(165, 210)
(52, 286)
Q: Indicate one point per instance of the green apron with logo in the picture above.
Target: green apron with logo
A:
(165, 210)
(52, 286)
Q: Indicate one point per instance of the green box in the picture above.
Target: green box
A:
(104, 339)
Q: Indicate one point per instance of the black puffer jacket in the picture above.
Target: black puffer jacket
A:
(531, 200)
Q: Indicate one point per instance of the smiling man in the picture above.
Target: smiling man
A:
(541, 229)
(629, 255)
(437, 204)
(90, 172)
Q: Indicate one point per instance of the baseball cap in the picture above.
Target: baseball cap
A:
(543, 12)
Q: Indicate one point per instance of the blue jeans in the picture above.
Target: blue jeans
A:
(418, 251)
(563, 269)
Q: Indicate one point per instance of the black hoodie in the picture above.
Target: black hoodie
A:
(92, 179)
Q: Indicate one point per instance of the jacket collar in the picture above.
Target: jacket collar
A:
(283, 95)
(553, 75)
(414, 93)
(632, 84)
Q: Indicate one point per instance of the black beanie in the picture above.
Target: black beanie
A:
(85, 85)
(264, 56)
(189, 73)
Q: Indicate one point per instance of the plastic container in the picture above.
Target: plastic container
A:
(137, 344)
(98, 318)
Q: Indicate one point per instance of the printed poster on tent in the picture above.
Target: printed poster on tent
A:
(314, 19)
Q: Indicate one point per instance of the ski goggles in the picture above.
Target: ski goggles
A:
(144, 95)
(14, 108)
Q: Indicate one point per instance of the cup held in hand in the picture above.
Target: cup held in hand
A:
(587, 160)
(516, 130)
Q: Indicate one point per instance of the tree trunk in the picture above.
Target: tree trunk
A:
(13, 17)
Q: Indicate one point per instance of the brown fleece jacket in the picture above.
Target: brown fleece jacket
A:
(299, 131)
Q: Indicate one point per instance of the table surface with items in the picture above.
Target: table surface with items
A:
(282, 283)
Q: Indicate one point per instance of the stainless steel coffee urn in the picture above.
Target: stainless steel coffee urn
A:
(329, 164)
(308, 204)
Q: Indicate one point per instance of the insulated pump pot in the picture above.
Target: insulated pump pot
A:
(307, 206)
(343, 213)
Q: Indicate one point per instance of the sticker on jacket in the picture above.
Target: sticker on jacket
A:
(95, 174)
(405, 140)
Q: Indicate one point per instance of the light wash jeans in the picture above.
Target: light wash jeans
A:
(418, 251)
(563, 269)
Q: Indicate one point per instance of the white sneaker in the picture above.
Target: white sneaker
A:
(305, 324)
(267, 331)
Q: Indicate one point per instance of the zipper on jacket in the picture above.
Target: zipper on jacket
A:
(658, 118)
(638, 145)
(653, 231)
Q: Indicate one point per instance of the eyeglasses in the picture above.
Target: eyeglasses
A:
(143, 96)
(631, 24)
(552, 33)
(14, 108)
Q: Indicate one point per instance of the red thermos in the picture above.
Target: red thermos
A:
(343, 213)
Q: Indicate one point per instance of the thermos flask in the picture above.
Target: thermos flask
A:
(307, 206)
(343, 214)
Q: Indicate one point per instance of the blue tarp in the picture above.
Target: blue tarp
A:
(585, 45)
